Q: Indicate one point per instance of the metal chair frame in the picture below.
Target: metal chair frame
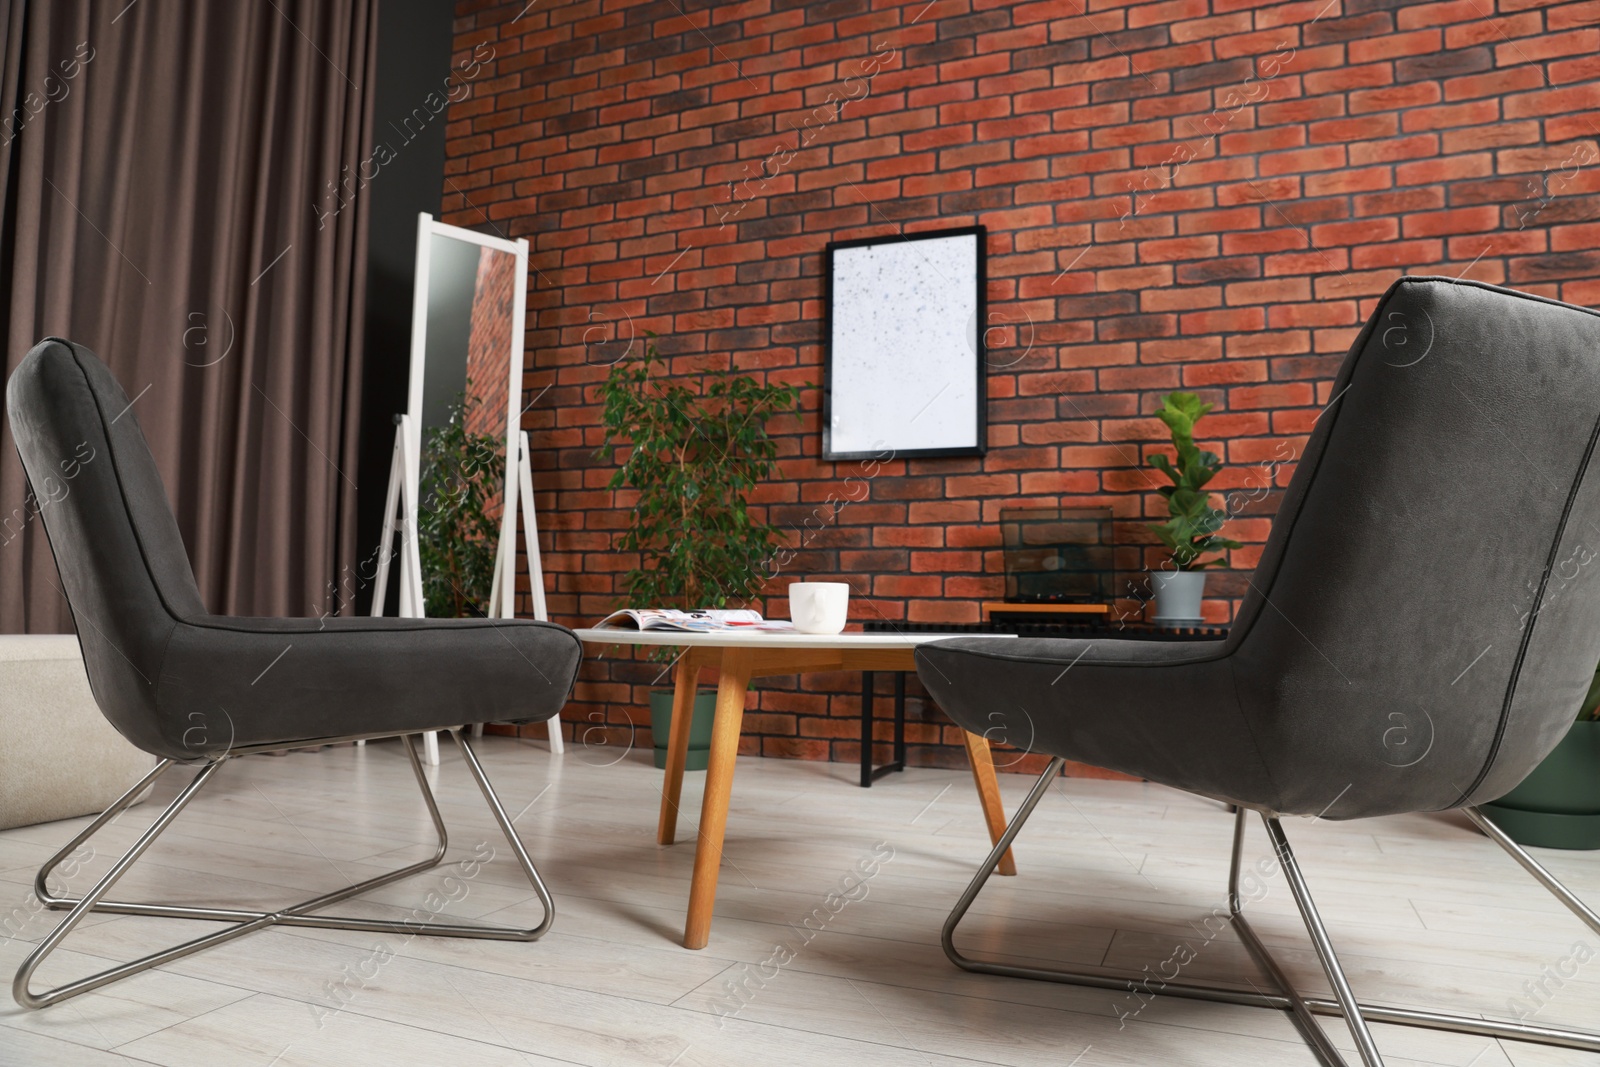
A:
(245, 922)
(1302, 1009)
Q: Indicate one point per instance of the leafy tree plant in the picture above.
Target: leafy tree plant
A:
(694, 457)
(1192, 526)
(457, 538)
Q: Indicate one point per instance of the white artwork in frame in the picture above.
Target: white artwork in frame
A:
(904, 369)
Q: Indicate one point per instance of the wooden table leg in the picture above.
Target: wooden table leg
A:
(989, 795)
(685, 684)
(732, 683)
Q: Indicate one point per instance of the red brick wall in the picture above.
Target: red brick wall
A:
(493, 297)
(1197, 194)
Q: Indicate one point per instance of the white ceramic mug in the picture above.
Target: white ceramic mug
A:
(819, 607)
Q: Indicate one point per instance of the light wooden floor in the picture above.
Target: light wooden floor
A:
(1424, 910)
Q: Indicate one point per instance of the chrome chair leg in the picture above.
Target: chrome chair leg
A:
(81, 908)
(1298, 1006)
(288, 917)
(249, 921)
(532, 933)
(1535, 868)
(1300, 1012)
(1324, 946)
(40, 887)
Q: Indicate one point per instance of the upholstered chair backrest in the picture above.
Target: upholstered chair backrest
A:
(118, 551)
(1425, 618)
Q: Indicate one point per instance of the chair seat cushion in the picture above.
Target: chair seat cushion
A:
(227, 682)
(1162, 710)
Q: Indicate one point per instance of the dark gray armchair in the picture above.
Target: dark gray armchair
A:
(192, 687)
(1422, 627)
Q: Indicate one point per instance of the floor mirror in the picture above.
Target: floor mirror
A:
(460, 478)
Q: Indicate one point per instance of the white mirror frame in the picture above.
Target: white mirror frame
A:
(427, 229)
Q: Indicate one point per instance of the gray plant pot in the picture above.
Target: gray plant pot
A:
(1178, 594)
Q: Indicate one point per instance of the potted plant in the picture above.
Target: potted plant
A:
(1558, 805)
(456, 536)
(1191, 529)
(694, 457)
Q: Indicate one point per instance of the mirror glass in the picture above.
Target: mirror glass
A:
(470, 294)
(465, 404)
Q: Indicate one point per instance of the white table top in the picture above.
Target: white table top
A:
(764, 639)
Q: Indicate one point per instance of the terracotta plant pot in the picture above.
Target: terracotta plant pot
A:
(705, 711)
(1558, 805)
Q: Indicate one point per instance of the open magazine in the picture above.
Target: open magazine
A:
(712, 620)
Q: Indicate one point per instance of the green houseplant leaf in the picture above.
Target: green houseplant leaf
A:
(1192, 527)
(456, 536)
(692, 458)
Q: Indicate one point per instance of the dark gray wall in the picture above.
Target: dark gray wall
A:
(414, 40)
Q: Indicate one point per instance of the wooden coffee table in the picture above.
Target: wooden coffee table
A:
(737, 657)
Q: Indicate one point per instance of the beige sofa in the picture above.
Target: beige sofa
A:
(59, 758)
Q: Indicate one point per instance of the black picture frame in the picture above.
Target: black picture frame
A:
(831, 378)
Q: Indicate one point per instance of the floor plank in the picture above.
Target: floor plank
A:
(1425, 911)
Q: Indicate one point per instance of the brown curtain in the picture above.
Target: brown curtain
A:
(180, 189)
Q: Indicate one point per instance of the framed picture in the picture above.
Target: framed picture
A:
(903, 342)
